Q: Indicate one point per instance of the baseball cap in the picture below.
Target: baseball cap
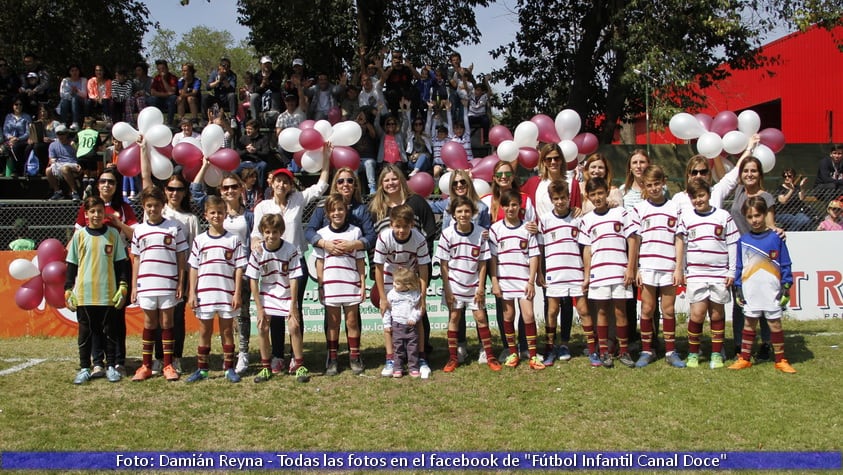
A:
(266, 59)
(31, 75)
(282, 171)
(61, 129)
(298, 62)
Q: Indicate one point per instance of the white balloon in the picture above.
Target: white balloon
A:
(685, 126)
(192, 141)
(526, 134)
(734, 142)
(345, 133)
(162, 167)
(213, 176)
(749, 122)
(288, 139)
(148, 117)
(481, 186)
(213, 138)
(508, 151)
(766, 156)
(22, 269)
(311, 161)
(159, 135)
(325, 128)
(709, 144)
(568, 124)
(569, 150)
(445, 183)
(124, 132)
(34, 261)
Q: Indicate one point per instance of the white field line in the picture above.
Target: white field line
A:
(22, 366)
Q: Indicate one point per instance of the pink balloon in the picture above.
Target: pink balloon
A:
(307, 124)
(29, 295)
(724, 122)
(705, 121)
(528, 157)
(587, 143)
(128, 161)
(773, 138)
(187, 154)
(166, 151)
(421, 183)
(50, 250)
(334, 115)
(54, 273)
(191, 169)
(343, 156)
(454, 156)
(54, 295)
(485, 167)
(311, 139)
(226, 159)
(498, 134)
(547, 128)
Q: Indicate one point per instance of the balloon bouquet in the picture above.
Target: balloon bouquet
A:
(306, 141)
(45, 275)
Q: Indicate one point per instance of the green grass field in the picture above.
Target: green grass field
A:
(567, 407)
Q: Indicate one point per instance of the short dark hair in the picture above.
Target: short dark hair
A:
(152, 193)
(595, 184)
(161, 61)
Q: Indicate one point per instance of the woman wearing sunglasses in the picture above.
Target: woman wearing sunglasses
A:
(346, 184)
(552, 166)
(834, 219)
(789, 204)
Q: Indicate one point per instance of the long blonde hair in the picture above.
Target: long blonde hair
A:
(378, 206)
(356, 195)
(472, 193)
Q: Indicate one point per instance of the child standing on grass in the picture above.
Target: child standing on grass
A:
(402, 316)
(609, 258)
(342, 282)
(272, 272)
(401, 245)
(563, 274)
(660, 253)
(762, 283)
(515, 263)
(158, 250)
(462, 254)
(711, 247)
(96, 285)
(216, 264)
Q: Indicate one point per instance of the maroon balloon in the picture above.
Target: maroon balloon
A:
(307, 124)
(311, 139)
(587, 143)
(128, 161)
(422, 183)
(528, 157)
(724, 122)
(705, 121)
(454, 156)
(334, 115)
(498, 134)
(189, 171)
(529, 187)
(226, 159)
(54, 295)
(375, 297)
(50, 250)
(54, 273)
(297, 157)
(485, 168)
(547, 128)
(772, 138)
(343, 156)
(187, 154)
(166, 151)
(30, 294)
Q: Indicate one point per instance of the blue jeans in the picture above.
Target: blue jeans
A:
(421, 162)
(167, 104)
(72, 110)
(795, 222)
(371, 167)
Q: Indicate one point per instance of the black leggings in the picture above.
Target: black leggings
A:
(96, 331)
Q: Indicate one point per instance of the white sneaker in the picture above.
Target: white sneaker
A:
(157, 366)
(242, 363)
(424, 370)
(482, 358)
(74, 126)
(462, 353)
(386, 372)
(233, 123)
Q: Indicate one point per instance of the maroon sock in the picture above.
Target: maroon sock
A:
(549, 338)
(718, 334)
(747, 340)
(603, 338)
(530, 330)
(669, 332)
(202, 354)
(452, 344)
(694, 332)
(167, 344)
(777, 340)
(227, 356)
(646, 334)
(354, 347)
(148, 344)
(509, 335)
(590, 338)
(621, 331)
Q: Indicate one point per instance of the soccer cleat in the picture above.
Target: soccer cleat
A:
(740, 363)
(82, 376)
(198, 375)
(549, 359)
(693, 360)
(242, 363)
(451, 365)
(626, 359)
(785, 367)
(645, 358)
(302, 375)
(232, 375)
(170, 373)
(98, 372)
(494, 364)
(715, 363)
(277, 365)
(481, 359)
(462, 353)
(113, 375)
(386, 372)
(424, 371)
(536, 363)
(415, 373)
(397, 374)
(423, 364)
(157, 366)
(606, 360)
(331, 368)
(177, 366)
(357, 366)
(263, 375)
(764, 353)
(512, 360)
(142, 374)
(563, 353)
(673, 359)
(594, 360)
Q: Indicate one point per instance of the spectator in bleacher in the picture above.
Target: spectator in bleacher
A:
(790, 209)
(456, 75)
(830, 171)
(834, 219)
(47, 122)
(323, 95)
(186, 126)
(222, 87)
(164, 90)
(398, 83)
(15, 136)
(62, 165)
(297, 72)
(244, 94)
(35, 83)
(460, 131)
(254, 150)
(292, 116)
(391, 147)
(419, 147)
(269, 83)
(73, 93)
(141, 86)
(478, 109)
(9, 86)
(367, 147)
(350, 105)
(99, 94)
(88, 151)
(189, 95)
(121, 96)
(371, 94)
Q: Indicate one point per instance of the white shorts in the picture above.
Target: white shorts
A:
(158, 302)
(716, 292)
(610, 292)
(563, 290)
(466, 304)
(56, 168)
(768, 314)
(209, 315)
(656, 278)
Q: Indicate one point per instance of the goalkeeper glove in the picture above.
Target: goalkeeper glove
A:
(785, 297)
(739, 297)
(70, 300)
(119, 299)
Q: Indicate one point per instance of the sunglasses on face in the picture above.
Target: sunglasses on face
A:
(460, 182)
(503, 174)
(174, 189)
(702, 172)
(555, 157)
(343, 181)
(229, 187)
(788, 175)
(107, 181)
(834, 208)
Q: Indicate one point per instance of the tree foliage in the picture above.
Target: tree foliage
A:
(329, 34)
(60, 32)
(203, 47)
(583, 54)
